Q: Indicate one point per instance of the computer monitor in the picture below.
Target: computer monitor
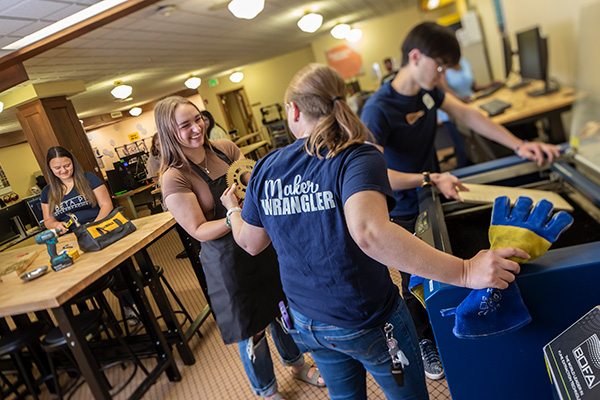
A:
(508, 55)
(533, 58)
(35, 206)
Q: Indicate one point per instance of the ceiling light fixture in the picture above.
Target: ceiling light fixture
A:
(246, 9)
(1, 106)
(64, 23)
(193, 82)
(135, 111)
(354, 35)
(340, 31)
(310, 22)
(121, 91)
(236, 77)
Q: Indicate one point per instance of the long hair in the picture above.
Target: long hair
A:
(81, 184)
(154, 147)
(320, 93)
(166, 125)
(211, 120)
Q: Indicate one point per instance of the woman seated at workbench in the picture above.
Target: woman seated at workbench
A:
(70, 190)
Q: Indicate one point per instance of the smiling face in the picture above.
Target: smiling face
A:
(62, 167)
(190, 126)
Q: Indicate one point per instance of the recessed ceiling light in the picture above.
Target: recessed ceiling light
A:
(236, 77)
(64, 23)
(193, 82)
(354, 35)
(340, 31)
(310, 22)
(121, 91)
(135, 111)
(246, 9)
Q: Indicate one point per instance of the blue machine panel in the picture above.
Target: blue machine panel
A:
(558, 289)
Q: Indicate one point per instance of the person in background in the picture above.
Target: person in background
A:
(244, 291)
(390, 72)
(71, 190)
(323, 201)
(402, 117)
(215, 131)
(153, 162)
(459, 81)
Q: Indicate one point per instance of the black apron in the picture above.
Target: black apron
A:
(244, 290)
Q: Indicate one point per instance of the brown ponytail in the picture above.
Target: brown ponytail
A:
(320, 92)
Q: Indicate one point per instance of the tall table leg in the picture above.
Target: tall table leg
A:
(82, 352)
(147, 267)
(161, 345)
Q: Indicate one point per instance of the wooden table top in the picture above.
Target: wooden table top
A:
(55, 288)
(524, 106)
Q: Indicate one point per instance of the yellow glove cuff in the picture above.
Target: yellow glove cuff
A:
(512, 236)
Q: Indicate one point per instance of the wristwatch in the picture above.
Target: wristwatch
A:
(426, 179)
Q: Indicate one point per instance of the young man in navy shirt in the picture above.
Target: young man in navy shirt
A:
(402, 117)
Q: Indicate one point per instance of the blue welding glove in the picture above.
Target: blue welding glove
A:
(489, 312)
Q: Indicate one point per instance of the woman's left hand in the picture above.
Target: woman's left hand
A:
(229, 199)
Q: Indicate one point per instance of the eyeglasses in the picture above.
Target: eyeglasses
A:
(441, 67)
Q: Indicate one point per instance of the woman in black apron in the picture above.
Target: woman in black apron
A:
(244, 291)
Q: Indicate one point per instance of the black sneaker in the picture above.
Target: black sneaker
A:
(431, 360)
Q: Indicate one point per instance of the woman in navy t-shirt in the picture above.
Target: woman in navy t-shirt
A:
(323, 201)
(70, 190)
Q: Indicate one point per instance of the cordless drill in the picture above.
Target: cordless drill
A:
(57, 261)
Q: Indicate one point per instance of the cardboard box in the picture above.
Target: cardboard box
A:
(573, 359)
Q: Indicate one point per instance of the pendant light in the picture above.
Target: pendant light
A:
(310, 22)
(121, 91)
(236, 77)
(193, 82)
(246, 9)
(135, 111)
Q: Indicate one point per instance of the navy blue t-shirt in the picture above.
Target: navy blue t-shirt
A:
(299, 200)
(405, 126)
(75, 203)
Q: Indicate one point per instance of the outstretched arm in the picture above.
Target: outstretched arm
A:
(477, 122)
(370, 227)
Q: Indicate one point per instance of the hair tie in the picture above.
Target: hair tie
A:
(336, 98)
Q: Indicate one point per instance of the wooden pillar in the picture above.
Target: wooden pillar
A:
(53, 122)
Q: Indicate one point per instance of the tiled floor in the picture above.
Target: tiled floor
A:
(218, 372)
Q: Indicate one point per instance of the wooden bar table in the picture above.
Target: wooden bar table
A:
(54, 290)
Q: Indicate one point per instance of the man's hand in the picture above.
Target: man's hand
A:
(535, 151)
(449, 185)
(491, 268)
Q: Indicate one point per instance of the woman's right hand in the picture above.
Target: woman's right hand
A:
(492, 268)
(229, 199)
(61, 228)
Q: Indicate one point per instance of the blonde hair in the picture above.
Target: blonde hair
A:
(320, 93)
(166, 125)
(80, 182)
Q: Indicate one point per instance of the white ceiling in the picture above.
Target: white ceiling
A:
(154, 53)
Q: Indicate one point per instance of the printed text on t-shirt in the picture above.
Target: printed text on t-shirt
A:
(297, 197)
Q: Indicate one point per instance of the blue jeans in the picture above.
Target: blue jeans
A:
(257, 362)
(343, 356)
